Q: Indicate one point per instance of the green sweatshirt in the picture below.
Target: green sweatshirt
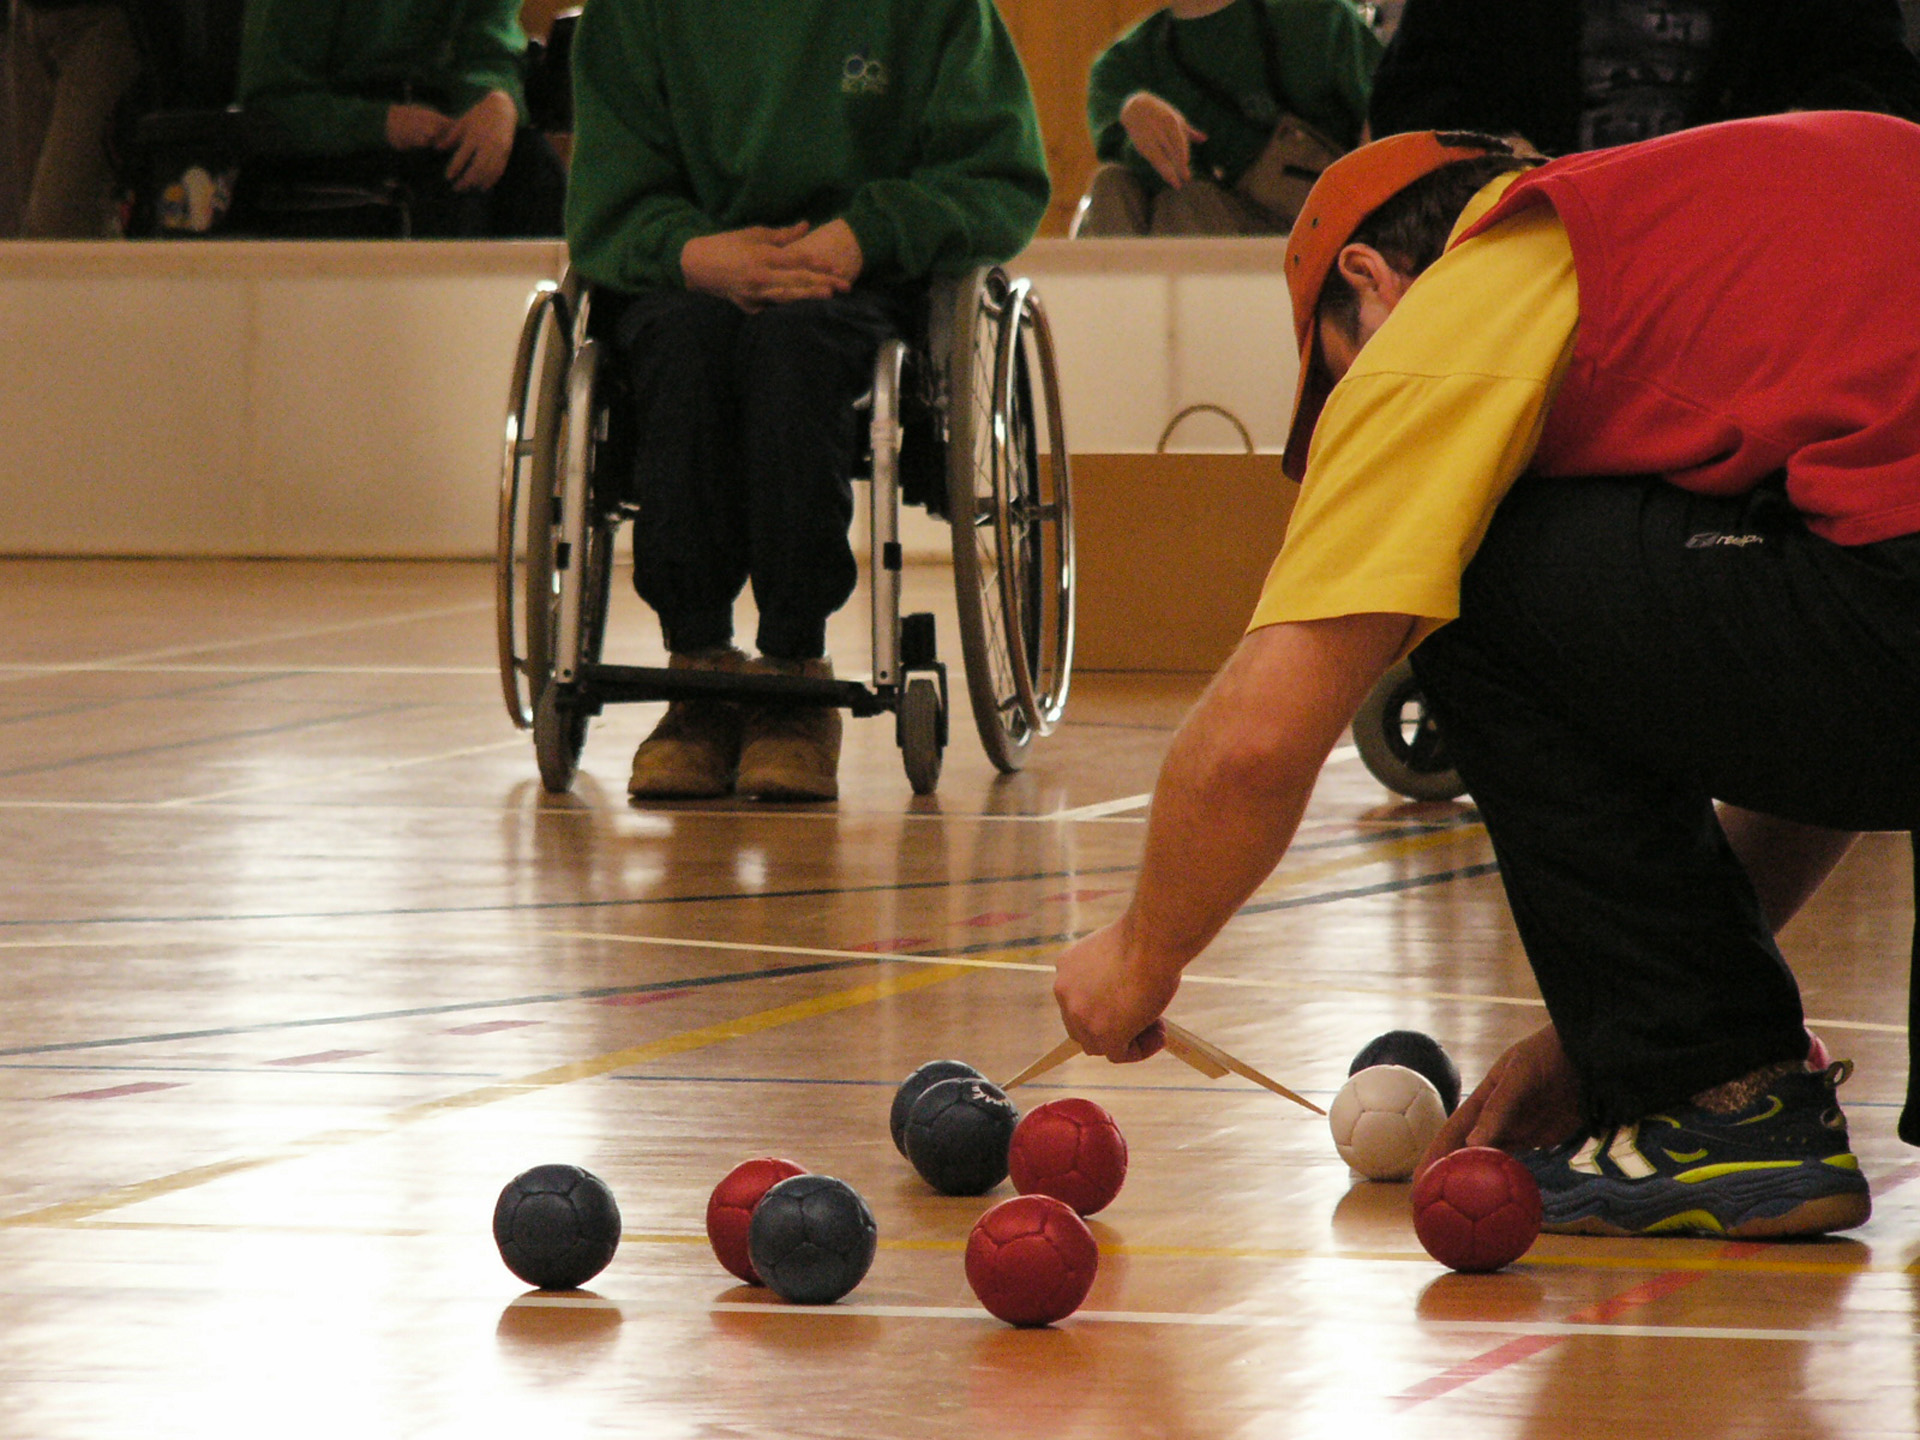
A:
(1214, 71)
(327, 70)
(909, 119)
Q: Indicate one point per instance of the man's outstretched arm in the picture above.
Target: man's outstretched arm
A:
(1229, 798)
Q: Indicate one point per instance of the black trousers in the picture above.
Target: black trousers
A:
(746, 439)
(1626, 654)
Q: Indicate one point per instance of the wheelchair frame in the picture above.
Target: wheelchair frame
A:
(1011, 520)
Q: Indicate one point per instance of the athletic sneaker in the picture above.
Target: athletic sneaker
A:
(1779, 1167)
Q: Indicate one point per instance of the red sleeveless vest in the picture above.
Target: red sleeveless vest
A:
(1749, 300)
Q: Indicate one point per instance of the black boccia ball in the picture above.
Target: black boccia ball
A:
(557, 1226)
(1419, 1053)
(915, 1085)
(812, 1239)
(958, 1133)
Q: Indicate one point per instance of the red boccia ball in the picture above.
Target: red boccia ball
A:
(1069, 1149)
(1031, 1260)
(1476, 1209)
(730, 1210)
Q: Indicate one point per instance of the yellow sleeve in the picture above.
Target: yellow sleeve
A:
(1425, 435)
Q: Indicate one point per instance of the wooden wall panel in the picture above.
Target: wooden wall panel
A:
(1058, 42)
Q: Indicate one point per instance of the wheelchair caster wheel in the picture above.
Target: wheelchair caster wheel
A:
(559, 735)
(1399, 742)
(919, 732)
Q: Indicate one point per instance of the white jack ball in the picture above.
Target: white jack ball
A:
(1383, 1119)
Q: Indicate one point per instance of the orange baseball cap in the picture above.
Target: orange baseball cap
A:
(1348, 191)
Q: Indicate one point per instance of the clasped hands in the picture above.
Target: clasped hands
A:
(764, 265)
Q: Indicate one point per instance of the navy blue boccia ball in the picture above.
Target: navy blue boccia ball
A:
(914, 1086)
(557, 1226)
(958, 1134)
(1417, 1052)
(812, 1239)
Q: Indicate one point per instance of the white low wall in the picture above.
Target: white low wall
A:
(345, 398)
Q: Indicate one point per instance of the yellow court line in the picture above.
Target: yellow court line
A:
(66, 1212)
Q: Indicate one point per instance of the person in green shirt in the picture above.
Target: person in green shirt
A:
(1201, 110)
(761, 193)
(420, 96)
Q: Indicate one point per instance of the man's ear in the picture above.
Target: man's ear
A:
(1367, 270)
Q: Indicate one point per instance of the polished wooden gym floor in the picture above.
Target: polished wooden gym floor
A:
(302, 965)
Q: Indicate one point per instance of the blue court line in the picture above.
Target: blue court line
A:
(145, 698)
(106, 757)
(542, 906)
(597, 993)
(1386, 887)
(1413, 828)
(700, 982)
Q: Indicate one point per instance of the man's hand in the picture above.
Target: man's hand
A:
(481, 140)
(757, 267)
(833, 249)
(1530, 1099)
(415, 127)
(1111, 997)
(1162, 135)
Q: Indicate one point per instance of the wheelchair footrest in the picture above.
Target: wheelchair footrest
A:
(615, 684)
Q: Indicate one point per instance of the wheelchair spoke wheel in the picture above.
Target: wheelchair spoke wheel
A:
(1401, 744)
(523, 542)
(1010, 517)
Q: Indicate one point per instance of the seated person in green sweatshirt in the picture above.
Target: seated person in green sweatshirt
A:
(419, 99)
(1213, 117)
(763, 192)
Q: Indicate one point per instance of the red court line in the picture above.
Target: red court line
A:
(321, 1057)
(1526, 1347)
(651, 997)
(898, 945)
(114, 1092)
(997, 917)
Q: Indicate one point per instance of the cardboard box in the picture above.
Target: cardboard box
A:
(1171, 551)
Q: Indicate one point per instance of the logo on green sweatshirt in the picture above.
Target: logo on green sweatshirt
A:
(861, 76)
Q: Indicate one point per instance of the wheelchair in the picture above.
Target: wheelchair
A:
(1400, 743)
(954, 423)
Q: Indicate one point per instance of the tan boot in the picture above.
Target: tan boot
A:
(791, 752)
(694, 750)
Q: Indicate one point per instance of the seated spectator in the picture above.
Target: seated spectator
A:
(67, 64)
(1214, 117)
(762, 192)
(1572, 75)
(416, 102)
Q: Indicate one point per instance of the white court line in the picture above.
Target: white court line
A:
(328, 777)
(1891, 1335)
(116, 662)
(1103, 807)
(1139, 802)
